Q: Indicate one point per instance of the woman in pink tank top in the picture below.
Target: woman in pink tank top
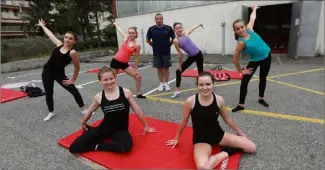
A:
(122, 57)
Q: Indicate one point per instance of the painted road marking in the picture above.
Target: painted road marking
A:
(80, 86)
(23, 75)
(155, 89)
(252, 112)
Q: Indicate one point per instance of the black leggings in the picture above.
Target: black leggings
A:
(198, 58)
(48, 83)
(265, 66)
(121, 142)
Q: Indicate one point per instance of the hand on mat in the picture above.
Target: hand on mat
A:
(172, 142)
(149, 129)
(67, 82)
(247, 71)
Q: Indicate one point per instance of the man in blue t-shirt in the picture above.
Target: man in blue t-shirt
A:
(160, 37)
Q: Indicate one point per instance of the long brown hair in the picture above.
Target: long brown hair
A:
(233, 26)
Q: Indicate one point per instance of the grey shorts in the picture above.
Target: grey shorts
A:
(162, 61)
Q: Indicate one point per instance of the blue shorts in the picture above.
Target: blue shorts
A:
(162, 61)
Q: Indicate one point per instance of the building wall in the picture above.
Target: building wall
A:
(320, 37)
(208, 39)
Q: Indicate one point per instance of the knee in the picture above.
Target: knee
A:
(178, 72)
(201, 165)
(126, 147)
(73, 149)
(251, 147)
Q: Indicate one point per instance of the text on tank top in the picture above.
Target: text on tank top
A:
(116, 112)
(124, 53)
(205, 118)
(187, 45)
(58, 61)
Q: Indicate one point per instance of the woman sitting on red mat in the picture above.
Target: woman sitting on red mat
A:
(204, 109)
(122, 57)
(115, 102)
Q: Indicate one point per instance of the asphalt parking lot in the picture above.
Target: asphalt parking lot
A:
(288, 134)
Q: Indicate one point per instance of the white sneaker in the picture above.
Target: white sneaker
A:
(49, 116)
(161, 87)
(176, 93)
(167, 88)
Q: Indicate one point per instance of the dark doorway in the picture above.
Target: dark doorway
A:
(273, 25)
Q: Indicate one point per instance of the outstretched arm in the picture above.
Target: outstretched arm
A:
(119, 29)
(188, 32)
(185, 116)
(93, 107)
(135, 107)
(56, 41)
(227, 118)
(252, 18)
(180, 60)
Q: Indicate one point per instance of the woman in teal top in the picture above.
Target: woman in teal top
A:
(251, 44)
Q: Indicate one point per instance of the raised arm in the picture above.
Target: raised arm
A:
(227, 118)
(188, 32)
(119, 29)
(252, 18)
(56, 41)
(180, 60)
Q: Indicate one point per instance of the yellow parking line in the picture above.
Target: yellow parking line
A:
(192, 89)
(253, 112)
(298, 87)
(300, 72)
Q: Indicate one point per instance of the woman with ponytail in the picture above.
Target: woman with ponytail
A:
(251, 44)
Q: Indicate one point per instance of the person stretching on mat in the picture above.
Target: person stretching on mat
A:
(183, 41)
(115, 102)
(122, 57)
(54, 69)
(250, 43)
(204, 109)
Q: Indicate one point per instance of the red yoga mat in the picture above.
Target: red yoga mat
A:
(150, 151)
(96, 70)
(7, 95)
(194, 73)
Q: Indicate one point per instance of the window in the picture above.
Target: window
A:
(128, 8)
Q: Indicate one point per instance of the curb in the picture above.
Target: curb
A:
(39, 62)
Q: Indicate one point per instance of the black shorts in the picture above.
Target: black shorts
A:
(162, 61)
(118, 65)
(212, 139)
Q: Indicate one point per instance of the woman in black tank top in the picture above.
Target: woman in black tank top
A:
(114, 102)
(204, 109)
(54, 69)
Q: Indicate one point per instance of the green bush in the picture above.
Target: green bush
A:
(35, 47)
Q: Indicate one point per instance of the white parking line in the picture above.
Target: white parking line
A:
(80, 86)
(23, 75)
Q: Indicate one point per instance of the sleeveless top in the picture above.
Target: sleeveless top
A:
(116, 113)
(255, 47)
(58, 61)
(187, 45)
(205, 119)
(124, 53)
